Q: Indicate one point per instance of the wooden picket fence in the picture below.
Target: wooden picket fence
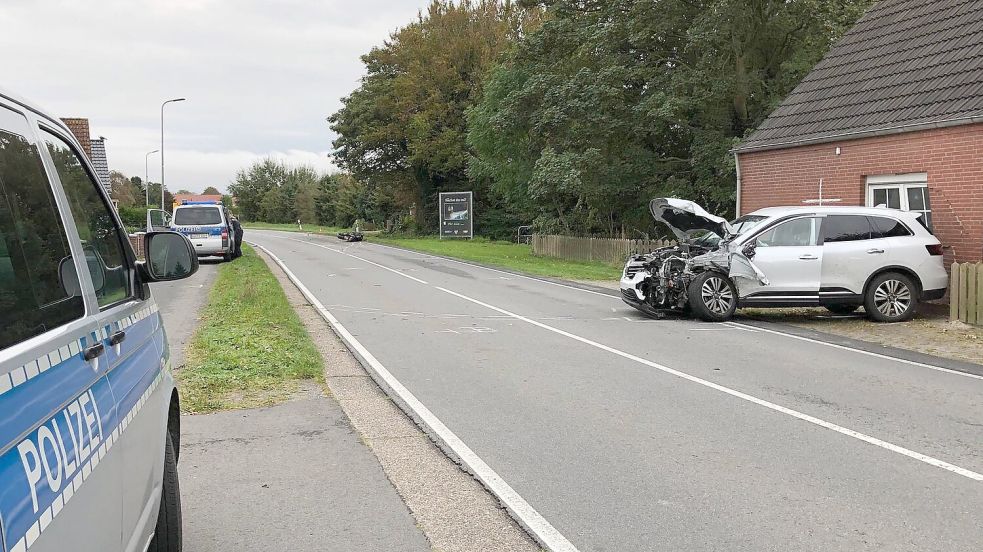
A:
(966, 293)
(606, 250)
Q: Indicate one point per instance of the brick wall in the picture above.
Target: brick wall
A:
(952, 158)
(80, 128)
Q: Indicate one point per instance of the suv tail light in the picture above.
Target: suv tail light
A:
(935, 249)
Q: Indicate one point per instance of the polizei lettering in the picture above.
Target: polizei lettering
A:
(61, 446)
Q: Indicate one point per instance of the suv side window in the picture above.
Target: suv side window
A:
(39, 287)
(845, 228)
(101, 237)
(801, 232)
(884, 227)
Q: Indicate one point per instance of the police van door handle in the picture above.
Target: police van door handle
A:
(117, 338)
(94, 351)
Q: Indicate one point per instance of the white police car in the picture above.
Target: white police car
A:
(207, 225)
(89, 425)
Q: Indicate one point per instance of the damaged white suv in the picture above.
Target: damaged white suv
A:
(840, 258)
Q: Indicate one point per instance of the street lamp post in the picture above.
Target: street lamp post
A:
(146, 174)
(162, 149)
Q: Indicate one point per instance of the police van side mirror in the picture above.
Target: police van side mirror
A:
(170, 256)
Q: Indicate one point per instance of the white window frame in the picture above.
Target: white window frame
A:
(902, 183)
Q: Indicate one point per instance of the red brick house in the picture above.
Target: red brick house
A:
(893, 115)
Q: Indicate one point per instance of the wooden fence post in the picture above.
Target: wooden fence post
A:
(971, 298)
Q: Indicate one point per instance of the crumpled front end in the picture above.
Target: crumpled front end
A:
(659, 281)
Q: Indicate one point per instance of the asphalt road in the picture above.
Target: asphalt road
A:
(627, 433)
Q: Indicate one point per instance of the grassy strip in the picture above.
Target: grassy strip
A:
(508, 255)
(290, 227)
(250, 348)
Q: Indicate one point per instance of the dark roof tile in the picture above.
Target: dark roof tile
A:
(905, 62)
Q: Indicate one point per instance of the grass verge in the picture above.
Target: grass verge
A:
(288, 227)
(250, 348)
(507, 255)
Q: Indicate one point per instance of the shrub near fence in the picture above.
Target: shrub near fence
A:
(605, 250)
(966, 292)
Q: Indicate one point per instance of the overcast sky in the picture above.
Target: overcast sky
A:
(260, 76)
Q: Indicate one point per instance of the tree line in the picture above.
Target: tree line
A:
(566, 114)
(271, 191)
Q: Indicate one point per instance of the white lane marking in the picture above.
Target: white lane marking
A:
(735, 324)
(734, 393)
(511, 274)
(393, 270)
(861, 351)
(533, 521)
(778, 408)
(738, 324)
(740, 327)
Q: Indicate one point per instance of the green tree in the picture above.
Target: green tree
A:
(124, 190)
(211, 190)
(612, 102)
(252, 185)
(401, 133)
(305, 179)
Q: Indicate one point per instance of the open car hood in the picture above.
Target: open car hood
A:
(683, 217)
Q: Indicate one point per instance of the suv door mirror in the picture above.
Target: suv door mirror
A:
(750, 248)
(170, 256)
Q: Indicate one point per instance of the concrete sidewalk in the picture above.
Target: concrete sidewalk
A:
(290, 477)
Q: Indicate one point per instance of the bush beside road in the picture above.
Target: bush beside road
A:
(506, 255)
(250, 348)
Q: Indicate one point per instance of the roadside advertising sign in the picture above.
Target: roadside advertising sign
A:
(456, 215)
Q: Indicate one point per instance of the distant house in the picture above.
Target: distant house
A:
(893, 116)
(94, 148)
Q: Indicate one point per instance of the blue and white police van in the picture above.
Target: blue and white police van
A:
(208, 225)
(89, 423)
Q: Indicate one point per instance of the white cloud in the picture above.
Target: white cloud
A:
(260, 76)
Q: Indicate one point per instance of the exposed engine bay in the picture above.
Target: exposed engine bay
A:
(662, 279)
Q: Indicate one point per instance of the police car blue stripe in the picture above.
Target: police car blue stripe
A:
(76, 436)
(58, 501)
(65, 352)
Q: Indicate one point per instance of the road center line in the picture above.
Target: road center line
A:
(393, 270)
(746, 327)
(734, 393)
(541, 529)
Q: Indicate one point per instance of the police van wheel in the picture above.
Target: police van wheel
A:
(167, 536)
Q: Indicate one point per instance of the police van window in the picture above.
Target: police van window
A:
(844, 228)
(884, 227)
(101, 237)
(39, 287)
(197, 216)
